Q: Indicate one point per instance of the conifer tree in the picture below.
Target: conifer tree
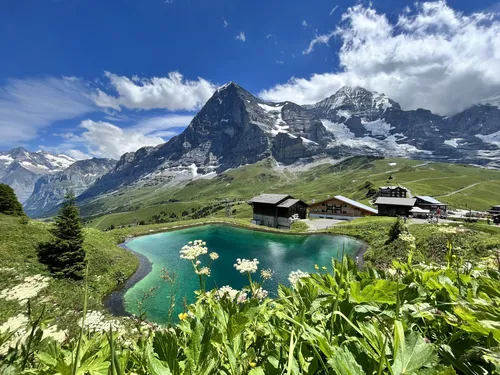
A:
(65, 255)
(9, 204)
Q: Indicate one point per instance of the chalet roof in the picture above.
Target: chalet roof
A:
(419, 210)
(288, 203)
(430, 200)
(393, 187)
(407, 202)
(356, 204)
(269, 198)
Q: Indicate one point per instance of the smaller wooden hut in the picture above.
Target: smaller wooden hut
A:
(277, 210)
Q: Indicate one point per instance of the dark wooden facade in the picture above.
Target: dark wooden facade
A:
(394, 206)
(275, 210)
(393, 192)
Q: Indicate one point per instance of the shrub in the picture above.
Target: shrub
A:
(9, 204)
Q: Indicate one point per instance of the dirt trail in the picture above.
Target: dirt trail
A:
(460, 190)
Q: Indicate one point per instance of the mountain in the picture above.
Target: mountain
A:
(50, 189)
(20, 168)
(235, 128)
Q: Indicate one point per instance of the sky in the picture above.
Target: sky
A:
(93, 78)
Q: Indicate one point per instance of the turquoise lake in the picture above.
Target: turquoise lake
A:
(280, 252)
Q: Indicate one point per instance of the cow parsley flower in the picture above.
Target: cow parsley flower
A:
(193, 250)
(246, 266)
(213, 255)
(266, 274)
(260, 294)
(295, 276)
(203, 271)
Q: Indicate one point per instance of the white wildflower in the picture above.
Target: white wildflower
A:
(295, 276)
(391, 272)
(203, 271)
(29, 289)
(193, 250)
(246, 266)
(52, 332)
(14, 323)
(95, 321)
(266, 274)
(407, 237)
(228, 292)
(213, 256)
(260, 294)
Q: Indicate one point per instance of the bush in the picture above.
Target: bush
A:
(299, 226)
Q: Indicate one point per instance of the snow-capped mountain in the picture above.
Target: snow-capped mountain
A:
(20, 168)
(236, 128)
(50, 189)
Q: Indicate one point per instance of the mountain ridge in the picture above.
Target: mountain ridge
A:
(235, 128)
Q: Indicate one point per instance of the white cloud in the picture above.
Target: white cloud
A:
(318, 39)
(432, 57)
(280, 62)
(334, 9)
(304, 23)
(224, 24)
(103, 139)
(29, 105)
(172, 92)
(241, 36)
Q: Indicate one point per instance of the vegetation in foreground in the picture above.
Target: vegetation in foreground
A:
(409, 319)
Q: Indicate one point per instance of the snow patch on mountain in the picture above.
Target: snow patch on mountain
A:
(378, 127)
(453, 142)
(270, 108)
(493, 138)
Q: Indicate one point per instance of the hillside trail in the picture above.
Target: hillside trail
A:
(460, 190)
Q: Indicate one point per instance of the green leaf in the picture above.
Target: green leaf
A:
(344, 363)
(413, 355)
(46, 359)
(382, 291)
(155, 366)
(257, 371)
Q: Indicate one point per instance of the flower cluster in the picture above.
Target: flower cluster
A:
(260, 294)
(266, 274)
(246, 266)
(231, 294)
(407, 237)
(29, 289)
(193, 250)
(95, 321)
(213, 256)
(295, 276)
(203, 271)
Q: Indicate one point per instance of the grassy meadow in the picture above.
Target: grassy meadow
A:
(461, 186)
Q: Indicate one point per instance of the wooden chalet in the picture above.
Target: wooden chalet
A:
(340, 207)
(277, 210)
(433, 205)
(395, 206)
(393, 192)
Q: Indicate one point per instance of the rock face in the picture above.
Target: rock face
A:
(236, 128)
(50, 189)
(20, 169)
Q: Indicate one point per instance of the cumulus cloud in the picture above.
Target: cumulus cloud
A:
(241, 36)
(29, 105)
(173, 92)
(104, 139)
(431, 56)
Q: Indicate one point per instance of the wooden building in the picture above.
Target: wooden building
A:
(393, 192)
(394, 206)
(340, 207)
(433, 205)
(277, 210)
(494, 210)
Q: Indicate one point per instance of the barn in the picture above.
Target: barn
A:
(340, 208)
(277, 210)
(394, 206)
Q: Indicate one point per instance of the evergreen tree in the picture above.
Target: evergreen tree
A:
(9, 204)
(65, 255)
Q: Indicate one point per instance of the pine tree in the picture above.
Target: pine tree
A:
(65, 255)
(9, 204)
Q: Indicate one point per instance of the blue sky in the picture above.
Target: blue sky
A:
(99, 78)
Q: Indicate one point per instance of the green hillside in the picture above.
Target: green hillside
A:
(461, 186)
(109, 265)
